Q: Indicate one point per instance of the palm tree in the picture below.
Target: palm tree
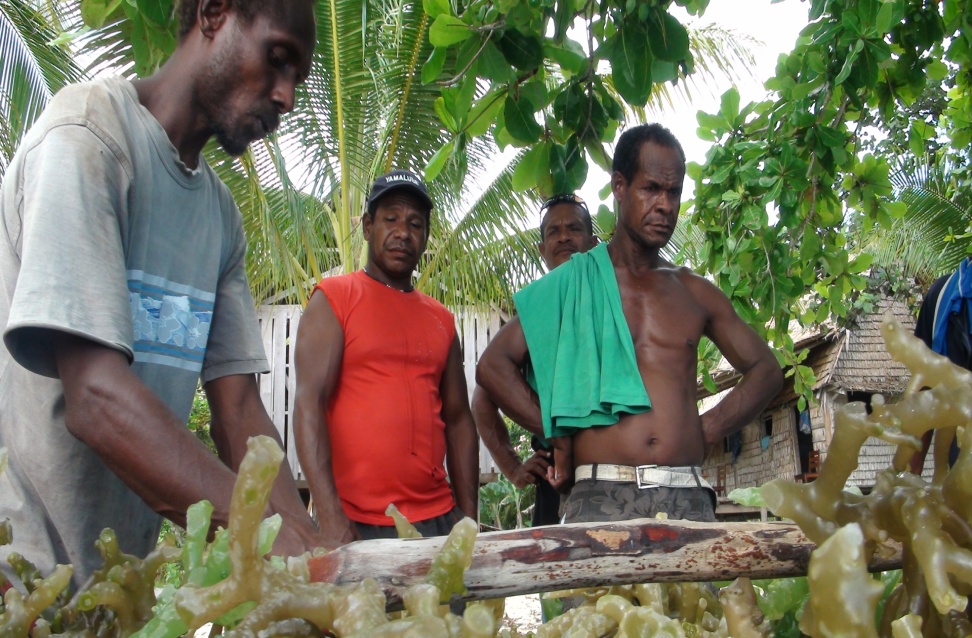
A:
(363, 111)
(933, 235)
(31, 69)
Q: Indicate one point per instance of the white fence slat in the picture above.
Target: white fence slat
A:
(290, 442)
(265, 317)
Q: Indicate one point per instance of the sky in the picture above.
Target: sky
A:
(775, 25)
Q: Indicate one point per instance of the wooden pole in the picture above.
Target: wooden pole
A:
(512, 563)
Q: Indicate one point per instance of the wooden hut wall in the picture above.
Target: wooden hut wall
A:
(755, 466)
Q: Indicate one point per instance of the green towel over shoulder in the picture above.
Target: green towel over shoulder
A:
(582, 359)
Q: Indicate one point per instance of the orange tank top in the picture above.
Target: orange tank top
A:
(385, 418)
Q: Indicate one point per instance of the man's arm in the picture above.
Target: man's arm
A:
(317, 359)
(238, 414)
(111, 411)
(493, 432)
(762, 377)
(500, 373)
(462, 444)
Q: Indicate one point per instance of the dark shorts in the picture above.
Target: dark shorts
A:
(606, 501)
(438, 526)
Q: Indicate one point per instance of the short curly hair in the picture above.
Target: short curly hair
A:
(187, 11)
(627, 153)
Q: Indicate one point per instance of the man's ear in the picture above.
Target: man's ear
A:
(366, 221)
(212, 15)
(618, 184)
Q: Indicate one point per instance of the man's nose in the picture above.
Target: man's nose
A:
(283, 94)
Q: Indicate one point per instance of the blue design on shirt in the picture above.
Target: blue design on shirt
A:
(169, 328)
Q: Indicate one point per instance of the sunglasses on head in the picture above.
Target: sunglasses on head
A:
(564, 198)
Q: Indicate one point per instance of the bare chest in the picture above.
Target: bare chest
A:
(662, 315)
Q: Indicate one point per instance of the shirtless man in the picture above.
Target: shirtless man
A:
(631, 460)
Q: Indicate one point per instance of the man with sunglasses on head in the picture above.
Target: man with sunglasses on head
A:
(565, 229)
(612, 342)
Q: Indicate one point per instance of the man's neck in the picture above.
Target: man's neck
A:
(398, 283)
(168, 96)
(634, 257)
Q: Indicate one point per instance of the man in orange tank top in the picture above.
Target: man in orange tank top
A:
(381, 404)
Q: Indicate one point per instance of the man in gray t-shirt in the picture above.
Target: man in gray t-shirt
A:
(122, 283)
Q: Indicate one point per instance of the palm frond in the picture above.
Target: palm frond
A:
(31, 69)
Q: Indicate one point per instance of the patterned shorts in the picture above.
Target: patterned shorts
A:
(606, 501)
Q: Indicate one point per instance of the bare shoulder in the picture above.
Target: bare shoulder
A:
(704, 291)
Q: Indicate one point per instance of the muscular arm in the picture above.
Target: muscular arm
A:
(317, 358)
(237, 414)
(462, 444)
(110, 410)
(493, 432)
(500, 373)
(762, 377)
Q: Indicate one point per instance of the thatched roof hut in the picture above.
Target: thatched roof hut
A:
(850, 364)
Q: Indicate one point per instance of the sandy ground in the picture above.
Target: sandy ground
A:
(522, 613)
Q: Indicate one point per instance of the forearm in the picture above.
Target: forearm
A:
(492, 430)
(503, 381)
(462, 459)
(314, 453)
(231, 432)
(123, 422)
(744, 402)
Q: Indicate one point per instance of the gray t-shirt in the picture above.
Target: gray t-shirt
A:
(108, 235)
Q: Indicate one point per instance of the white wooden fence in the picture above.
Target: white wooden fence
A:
(278, 325)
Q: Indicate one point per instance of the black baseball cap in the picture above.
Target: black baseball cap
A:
(397, 179)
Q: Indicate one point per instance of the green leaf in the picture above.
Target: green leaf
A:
(433, 66)
(848, 65)
(447, 118)
(936, 70)
(885, 17)
(438, 161)
(570, 58)
(730, 105)
(631, 64)
(518, 115)
(861, 263)
(829, 136)
(668, 38)
(532, 166)
(558, 169)
(606, 219)
(448, 30)
(435, 8)
(158, 11)
(525, 52)
(493, 66)
(94, 13)
(483, 113)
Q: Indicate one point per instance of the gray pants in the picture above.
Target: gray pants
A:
(606, 501)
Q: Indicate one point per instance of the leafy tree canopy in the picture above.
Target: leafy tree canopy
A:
(774, 195)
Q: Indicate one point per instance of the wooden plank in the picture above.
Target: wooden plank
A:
(293, 321)
(265, 319)
(279, 372)
(557, 557)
